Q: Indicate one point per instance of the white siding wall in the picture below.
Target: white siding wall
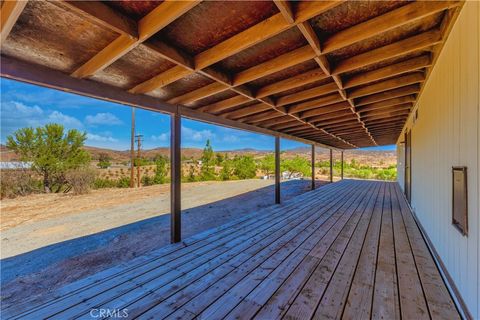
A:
(446, 134)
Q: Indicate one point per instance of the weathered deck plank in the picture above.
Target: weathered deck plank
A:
(347, 250)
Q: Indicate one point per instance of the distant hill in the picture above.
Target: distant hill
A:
(378, 158)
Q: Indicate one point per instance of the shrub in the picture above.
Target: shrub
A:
(104, 161)
(148, 181)
(123, 182)
(80, 180)
(14, 183)
(100, 183)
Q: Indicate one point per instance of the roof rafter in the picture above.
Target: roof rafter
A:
(9, 13)
(153, 22)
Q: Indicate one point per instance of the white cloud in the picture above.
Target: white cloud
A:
(104, 118)
(189, 134)
(91, 137)
(16, 115)
(67, 121)
(230, 138)
(163, 137)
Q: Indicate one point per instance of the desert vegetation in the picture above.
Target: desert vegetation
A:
(54, 160)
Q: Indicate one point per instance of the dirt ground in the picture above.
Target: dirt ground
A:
(51, 240)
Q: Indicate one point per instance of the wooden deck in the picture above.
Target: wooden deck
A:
(347, 250)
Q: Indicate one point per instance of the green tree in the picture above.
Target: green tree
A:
(104, 161)
(191, 174)
(267, 164)
(227, 170)
(219, 158)
(207, 170)
(244, 167)
(296, 165)
(51, 151)
(161, 169)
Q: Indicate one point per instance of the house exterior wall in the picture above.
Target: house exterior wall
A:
(445, 134)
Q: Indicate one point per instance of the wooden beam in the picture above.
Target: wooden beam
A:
(262, 116)
(176, 178)
(306, 10)
(393, 50)
(307, 94)
(387, 104)
(241, 41)
(333, 115)
(402, 106)
(277, 170)
(272, 122)
(282, 62)
(291, 124)
(299, 130)
(388, 71)
(311, 37)
(308, 105)
(246, 111)
(198, 94)
(391, 114)
(386, 85)
(389, 120)
(163, 15)
(388, 21)
(172, 54)
(285, 9)
(400, 92)
(325, 109)
(291, 83)
(350, 124)
(108, 55)
(101, 14)
(9, 13)
(323, 124)
(224, 104)
(161, 80)
(153, 22)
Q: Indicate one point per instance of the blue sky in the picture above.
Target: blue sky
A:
(108, 124)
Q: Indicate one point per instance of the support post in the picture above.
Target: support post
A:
(313, 167)
(132, 151)
(342, 164)
(175, 171)
(331, 165)
(277, 169)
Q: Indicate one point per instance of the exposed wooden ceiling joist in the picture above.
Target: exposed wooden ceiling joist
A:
(414, 43)
(9, 13)
(354, 100)
(388, 71)
(154, 21)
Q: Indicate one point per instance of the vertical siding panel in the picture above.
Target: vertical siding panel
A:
(447, 134)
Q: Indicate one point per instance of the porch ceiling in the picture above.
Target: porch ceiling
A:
(340, 73)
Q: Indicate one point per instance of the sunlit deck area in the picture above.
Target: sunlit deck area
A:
(350, 249)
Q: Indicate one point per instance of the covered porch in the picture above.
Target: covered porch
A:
(350, 249)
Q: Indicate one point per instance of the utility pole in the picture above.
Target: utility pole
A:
(132, 151)
(139, 138)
